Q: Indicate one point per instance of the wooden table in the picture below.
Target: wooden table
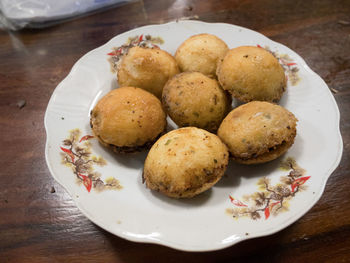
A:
(39, 221)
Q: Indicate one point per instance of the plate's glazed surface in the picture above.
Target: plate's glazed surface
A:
(250, 201)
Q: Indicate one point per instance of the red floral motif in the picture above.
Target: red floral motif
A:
(236, 202)
(86, 137)
(272, 199)
(298, 182)
(77, 155)
(268, 208)
(69, 152)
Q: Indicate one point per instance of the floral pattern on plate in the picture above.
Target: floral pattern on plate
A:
(271, 199)
(76, 154)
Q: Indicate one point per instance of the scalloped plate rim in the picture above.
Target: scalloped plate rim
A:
(176, 245)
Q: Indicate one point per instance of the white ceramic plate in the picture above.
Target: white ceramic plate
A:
(207, 221)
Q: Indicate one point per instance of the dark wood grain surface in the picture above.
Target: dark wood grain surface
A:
(40, 225)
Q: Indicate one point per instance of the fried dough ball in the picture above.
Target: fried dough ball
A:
(201, 53)
(147, 68)
(128, 119)
(185, 162)
(252, 73)
(193, 99)
(258, 132)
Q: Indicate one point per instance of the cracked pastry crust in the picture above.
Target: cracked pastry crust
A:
(128, 119)
(251, 73)
(258, 132)
(185, 162)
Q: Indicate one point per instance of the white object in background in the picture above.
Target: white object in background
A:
(20, 13)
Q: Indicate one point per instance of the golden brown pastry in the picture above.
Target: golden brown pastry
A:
(201, 53)
(258, 132)
(251, 73)
(128, 119)
(147, 68)
(193, 99)
(185, 162)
